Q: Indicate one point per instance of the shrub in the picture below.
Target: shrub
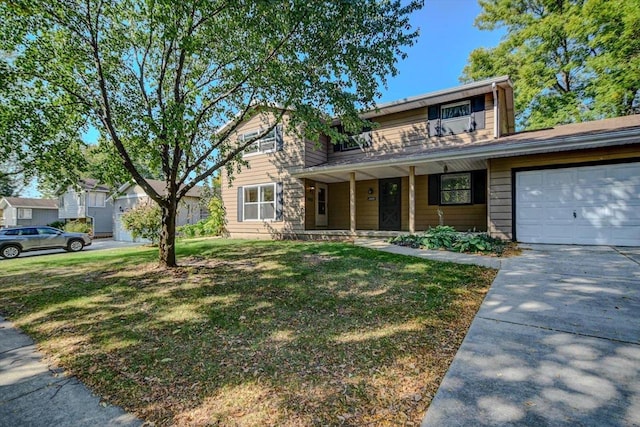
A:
(214, 225)
(57, 224)
(144, 221)
(442, 236)
(77, 227)
(446, 237)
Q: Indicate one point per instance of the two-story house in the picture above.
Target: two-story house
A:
(449, 157)
(89, 202)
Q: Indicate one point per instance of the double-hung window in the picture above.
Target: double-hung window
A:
(25, 213)
(459, 188)
(259, 202)
(455, 189)
(266, 144)
(96, 200)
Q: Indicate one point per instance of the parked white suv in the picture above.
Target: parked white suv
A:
(22, 239)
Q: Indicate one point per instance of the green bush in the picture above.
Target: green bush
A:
(77, 227)
(442, 236)
(57, 224)
(144, 221)
(214, 225)
(446, 237)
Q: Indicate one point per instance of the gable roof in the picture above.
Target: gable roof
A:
(159, 187)
(91, 184)
(24, 202)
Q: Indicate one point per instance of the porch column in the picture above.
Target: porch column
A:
(352, 202)
(412, 199)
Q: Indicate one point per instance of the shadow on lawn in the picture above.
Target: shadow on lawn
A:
(253, 333)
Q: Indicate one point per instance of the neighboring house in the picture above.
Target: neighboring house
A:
(449, 157)
(17, 211)
(131, 194)
(90, 203)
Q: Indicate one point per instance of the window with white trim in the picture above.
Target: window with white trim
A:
(25, 213)
(96, 200)
(266, 144)
(455, 189)
(259, 202)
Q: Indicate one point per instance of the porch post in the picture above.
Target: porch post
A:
(352, 202)
(412, 199)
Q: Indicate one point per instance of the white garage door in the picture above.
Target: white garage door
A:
(120, 233)
(589, 205)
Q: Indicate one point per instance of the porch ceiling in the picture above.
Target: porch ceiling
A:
(380, 172)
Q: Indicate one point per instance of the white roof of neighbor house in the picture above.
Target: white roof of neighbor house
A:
(159, 187)
(24, 202)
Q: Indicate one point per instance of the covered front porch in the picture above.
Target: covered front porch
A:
(384, 201)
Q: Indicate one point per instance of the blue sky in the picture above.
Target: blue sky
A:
(435, 62)
(447, 36)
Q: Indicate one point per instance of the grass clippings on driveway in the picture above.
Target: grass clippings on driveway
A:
(250, 333)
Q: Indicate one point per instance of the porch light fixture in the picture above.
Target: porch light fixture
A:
(370, 190)
(445, 169)
(312, 188)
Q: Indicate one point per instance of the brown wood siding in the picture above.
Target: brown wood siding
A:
(338, 207)
(310, 205)
(366, 210)
(462, 218)
(406, 132)
(500, 184)
(263, 169)
(315, 153)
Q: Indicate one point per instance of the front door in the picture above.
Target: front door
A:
(390, 204)
(321, 205)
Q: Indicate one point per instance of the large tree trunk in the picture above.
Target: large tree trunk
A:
(168, 235)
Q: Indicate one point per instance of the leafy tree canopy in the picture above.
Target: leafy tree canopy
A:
(159, 78)
(570, 60)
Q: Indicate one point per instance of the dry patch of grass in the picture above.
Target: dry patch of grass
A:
(250, 333)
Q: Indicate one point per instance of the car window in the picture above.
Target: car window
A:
(47, 231)
(28, 232)
(11, 232)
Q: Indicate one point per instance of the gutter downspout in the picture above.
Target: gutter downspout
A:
(86, 215)
(496, 111)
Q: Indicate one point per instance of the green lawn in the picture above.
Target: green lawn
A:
(250, 332)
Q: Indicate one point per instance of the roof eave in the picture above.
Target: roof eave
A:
(493, 151)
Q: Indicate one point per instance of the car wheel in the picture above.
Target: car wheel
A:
(10, 251)
(75, 245)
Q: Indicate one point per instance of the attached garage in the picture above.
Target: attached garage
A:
(589, 205)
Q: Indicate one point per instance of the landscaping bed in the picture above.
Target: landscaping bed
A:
(250, 333)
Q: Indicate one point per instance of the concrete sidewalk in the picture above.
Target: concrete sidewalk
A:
(36, 395)
(556, 342)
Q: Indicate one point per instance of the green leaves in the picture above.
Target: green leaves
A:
(570, 60)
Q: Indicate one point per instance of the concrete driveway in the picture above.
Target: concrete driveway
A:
(555, 343)
(96, 245)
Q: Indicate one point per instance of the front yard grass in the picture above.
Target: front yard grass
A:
(250, 333)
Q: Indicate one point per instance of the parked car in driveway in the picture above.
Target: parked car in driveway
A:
(22, 239)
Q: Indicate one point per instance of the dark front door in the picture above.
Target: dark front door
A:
(389, 204)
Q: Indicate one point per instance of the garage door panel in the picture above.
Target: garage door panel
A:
(605, 198)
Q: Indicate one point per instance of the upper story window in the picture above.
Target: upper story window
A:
(452, 111)
(96, 200)
(354, 141)
(457, 117)
(266, 144)
(25, 213)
